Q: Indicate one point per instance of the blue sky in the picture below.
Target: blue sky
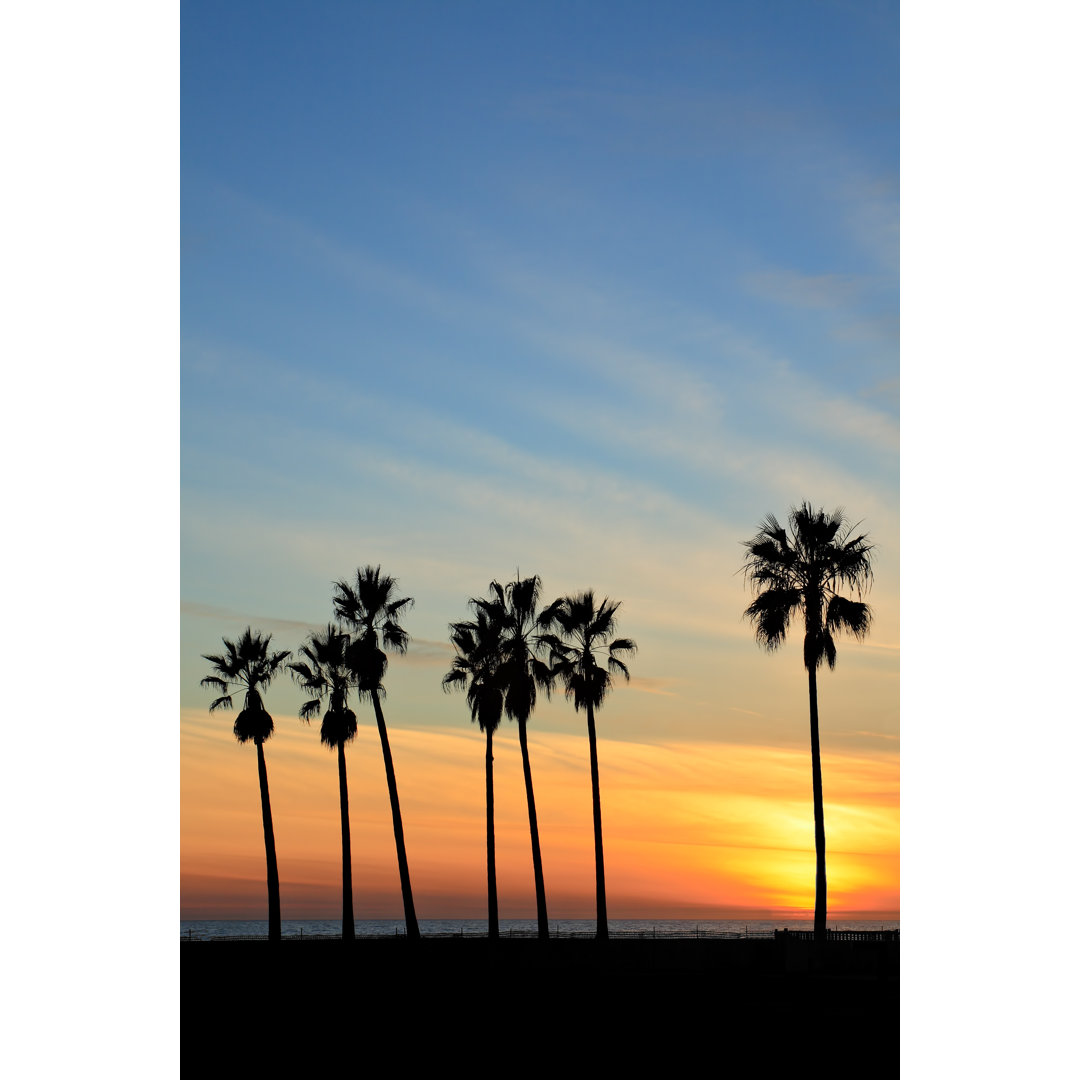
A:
(584, 290)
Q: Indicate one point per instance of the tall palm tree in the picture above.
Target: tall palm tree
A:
(514, 609)
(476, 668)
(586, 634)
(249, 665)
(802, 572)
(369, 606)
(324, 673)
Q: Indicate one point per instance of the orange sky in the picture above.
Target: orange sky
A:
(691, 829)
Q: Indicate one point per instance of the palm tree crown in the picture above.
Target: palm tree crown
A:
(587, 632)
(324, 673)
(478, 670)
(513, 608)
(371, 607)
(802, 572)
(246, 664)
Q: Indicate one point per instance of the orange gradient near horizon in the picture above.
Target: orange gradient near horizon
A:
(691, 830)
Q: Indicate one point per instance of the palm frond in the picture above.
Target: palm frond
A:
(219, 662)
(395, 638)
(310, 708)
(543, 676)
(346, 602)
(276, 660)
(851, 615)
(394, 606)
(547, 618)
(221, 703)
(303, 674)
(771, 612)
(454, 679)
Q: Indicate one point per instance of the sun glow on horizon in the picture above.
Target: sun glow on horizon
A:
(696, 827)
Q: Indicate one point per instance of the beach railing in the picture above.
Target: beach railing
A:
(841, 935)
(557, 932)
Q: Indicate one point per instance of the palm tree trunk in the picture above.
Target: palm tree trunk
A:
(348, 926)
(819, 814)
(598, 833)
(273, 890)
(534, 831)
(412, 927)
(493, 899)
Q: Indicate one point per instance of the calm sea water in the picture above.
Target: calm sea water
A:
(209, 930)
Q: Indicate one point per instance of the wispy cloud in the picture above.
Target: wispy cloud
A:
(652, 685)
(264, 622)
(802, 290)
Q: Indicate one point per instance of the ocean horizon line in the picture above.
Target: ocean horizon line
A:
(223, 928)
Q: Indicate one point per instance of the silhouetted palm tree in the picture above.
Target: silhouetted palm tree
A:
(325, 673)
(586, 633)
(249, 665)
(476, 668)
(370, 607)
(513, 608)
(801, 573)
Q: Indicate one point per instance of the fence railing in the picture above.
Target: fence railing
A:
(841, 935)
(700, 933)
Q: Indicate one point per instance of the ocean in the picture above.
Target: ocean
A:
(218, 929)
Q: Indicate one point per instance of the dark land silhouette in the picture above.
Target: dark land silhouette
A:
(801, 573)
(748, 1005)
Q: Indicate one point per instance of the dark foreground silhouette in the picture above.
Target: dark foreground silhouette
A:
(580, 1004)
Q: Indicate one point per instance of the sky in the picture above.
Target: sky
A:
(97, 333)
(582, 291)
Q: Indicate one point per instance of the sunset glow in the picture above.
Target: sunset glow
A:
(693, 830)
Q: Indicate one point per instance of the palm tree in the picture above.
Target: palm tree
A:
(370, 607)
(586, 634)
(325, 673)
(514, 610)
(802, 572)
(476, 668)
(249, 665)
